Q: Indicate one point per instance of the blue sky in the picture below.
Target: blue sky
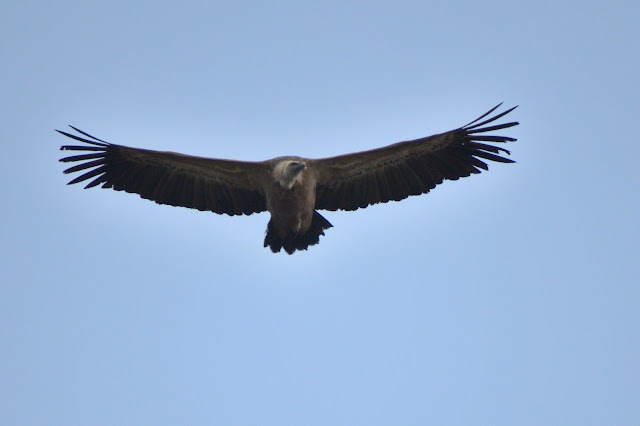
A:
(510, 297)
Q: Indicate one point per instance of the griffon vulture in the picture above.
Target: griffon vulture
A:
(291, 188)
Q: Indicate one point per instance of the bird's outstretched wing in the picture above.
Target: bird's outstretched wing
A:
(394, 172)
(221, 186)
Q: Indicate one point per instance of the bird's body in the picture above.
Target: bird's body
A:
(292, 189)
(292, 207)
(291, 202)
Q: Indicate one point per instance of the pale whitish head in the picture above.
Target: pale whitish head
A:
(288, 172)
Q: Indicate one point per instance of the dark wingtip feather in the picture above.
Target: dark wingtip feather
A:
(81, 148)
(81, 157)
(492, 157)
(492, 138)
(85, 165)
(484, 115)
(489, 120)
(97, 141)
(496, 127)
(98, 171)
(88, 135)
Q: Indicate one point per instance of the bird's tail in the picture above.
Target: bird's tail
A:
(292, 242)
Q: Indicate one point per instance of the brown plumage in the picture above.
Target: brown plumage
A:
(290, 188)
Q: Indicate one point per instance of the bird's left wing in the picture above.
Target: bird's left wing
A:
(394, 172)
(221, 186)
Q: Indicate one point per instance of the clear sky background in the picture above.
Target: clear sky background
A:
(510, 297)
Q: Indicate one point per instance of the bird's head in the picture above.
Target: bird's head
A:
(288, 172)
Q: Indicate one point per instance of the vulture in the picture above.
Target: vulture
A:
(292, 189)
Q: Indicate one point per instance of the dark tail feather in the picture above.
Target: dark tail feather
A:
(292, 242)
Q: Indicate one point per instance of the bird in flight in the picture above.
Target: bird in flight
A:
(291, 188)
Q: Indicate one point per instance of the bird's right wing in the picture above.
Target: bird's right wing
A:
(394, 172)
(221, 186)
